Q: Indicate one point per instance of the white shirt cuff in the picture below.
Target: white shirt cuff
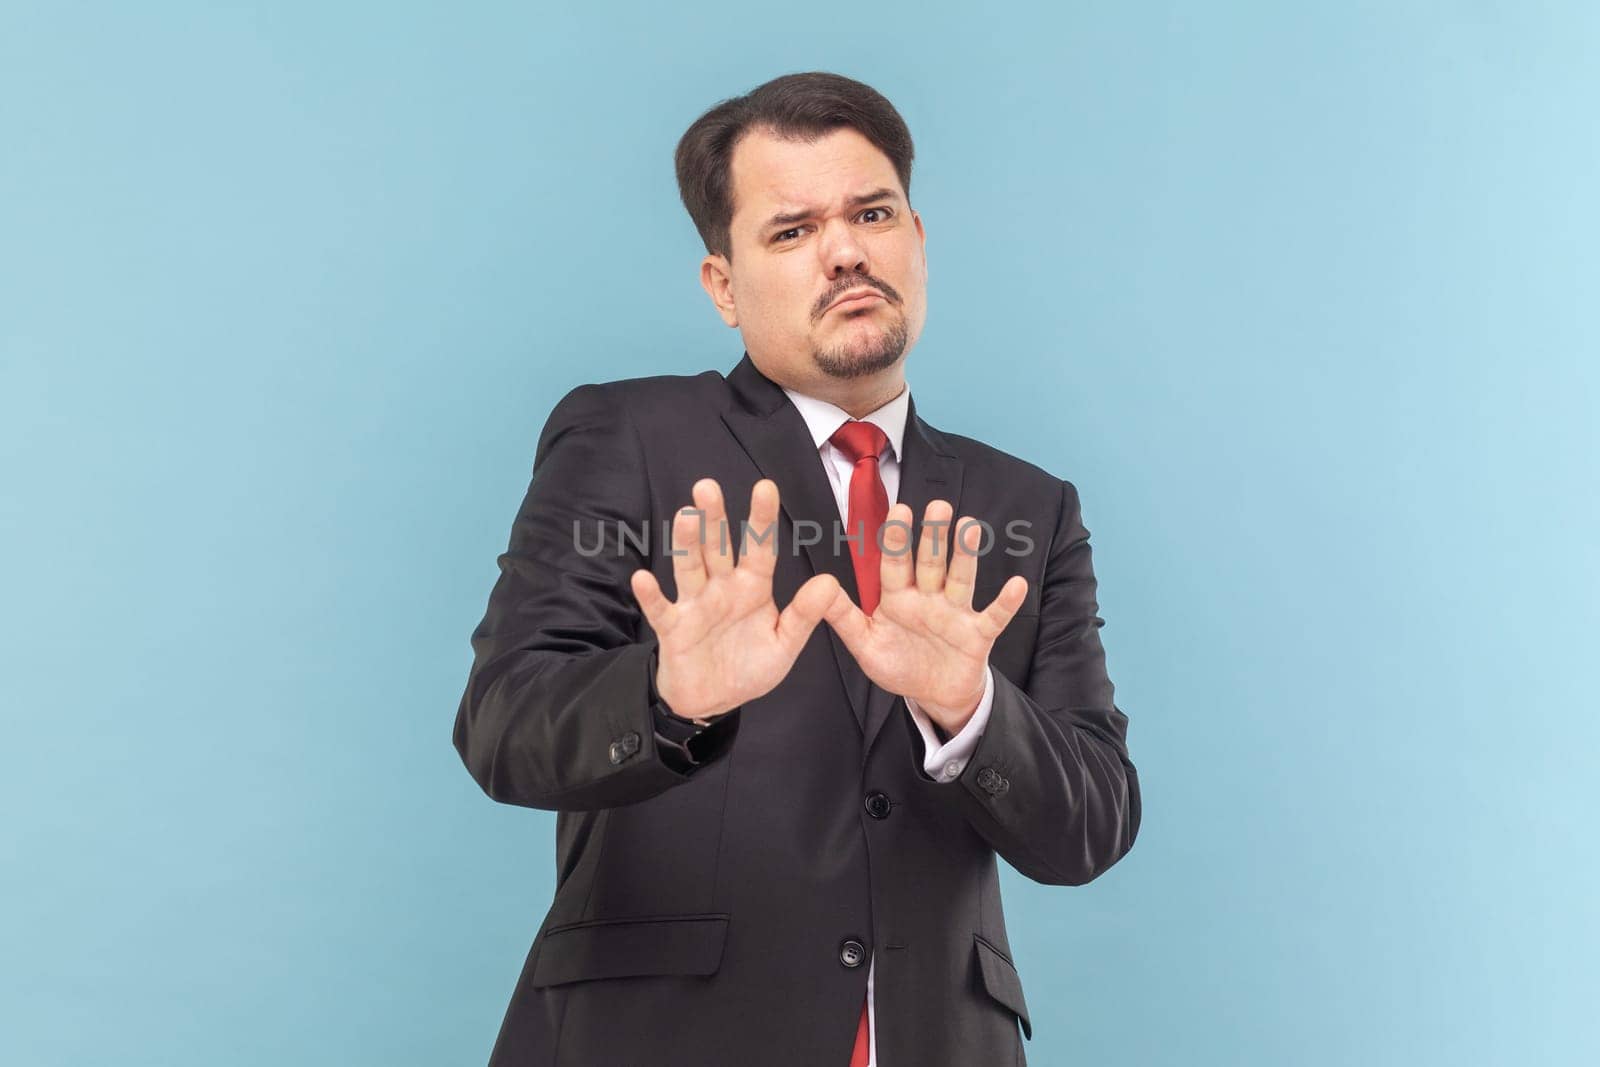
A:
(944, 763)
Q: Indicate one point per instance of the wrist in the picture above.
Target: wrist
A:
(952, 720)
(665, 705)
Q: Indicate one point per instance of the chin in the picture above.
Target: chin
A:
(877, 351)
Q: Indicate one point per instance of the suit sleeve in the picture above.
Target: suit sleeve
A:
(559, 710)
(944, 760)
(1050, 784)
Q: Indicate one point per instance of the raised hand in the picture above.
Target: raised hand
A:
(924, 641)
(723, 641)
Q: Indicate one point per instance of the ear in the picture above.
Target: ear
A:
(716, 278)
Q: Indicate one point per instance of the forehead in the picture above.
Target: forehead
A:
(770, 174)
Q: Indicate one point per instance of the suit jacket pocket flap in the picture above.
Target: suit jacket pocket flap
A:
(620, 948)
(1001, 980)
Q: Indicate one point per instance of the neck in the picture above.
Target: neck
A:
(857, 407)
(856, 396)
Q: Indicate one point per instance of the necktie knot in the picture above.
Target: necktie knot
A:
(860, 440)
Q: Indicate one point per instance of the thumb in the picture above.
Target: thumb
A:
(1006, 603)
(806, 609)
(847, 620)
(657, 609)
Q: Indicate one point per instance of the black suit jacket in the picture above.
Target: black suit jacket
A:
(704, 913)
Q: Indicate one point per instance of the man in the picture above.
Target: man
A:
(778, 828)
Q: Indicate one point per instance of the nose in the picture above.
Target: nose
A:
(842, 250)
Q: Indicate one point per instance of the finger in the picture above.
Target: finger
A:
(758, 541)
(718, 549)
(963, 574)
(688, 561)
(808, 607)
(847, 620)
(659, 612)
(933, 557)
(894, 569)
(998, 615)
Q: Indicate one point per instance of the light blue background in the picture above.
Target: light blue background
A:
(1302, 297)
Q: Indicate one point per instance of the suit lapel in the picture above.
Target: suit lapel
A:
(774, 434)
(927, 472)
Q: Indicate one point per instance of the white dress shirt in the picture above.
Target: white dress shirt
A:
(943, 762)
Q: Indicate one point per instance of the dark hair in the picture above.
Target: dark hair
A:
(800, 107)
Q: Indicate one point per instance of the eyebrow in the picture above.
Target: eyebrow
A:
(855, 201)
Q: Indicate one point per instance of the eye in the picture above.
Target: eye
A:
(778, 237)
(881, 211)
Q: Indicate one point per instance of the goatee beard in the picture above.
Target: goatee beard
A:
(849, 363)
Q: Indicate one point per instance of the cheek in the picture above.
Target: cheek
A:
(911, 274)
(772, 302)
(754, 292)
(769, 284)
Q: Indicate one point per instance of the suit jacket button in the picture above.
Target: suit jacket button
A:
(879, 805)
(989, 781)
(852, 953)
(623, 747)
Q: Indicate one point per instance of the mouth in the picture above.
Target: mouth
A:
(856, 301)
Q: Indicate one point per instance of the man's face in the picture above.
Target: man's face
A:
(812, 223)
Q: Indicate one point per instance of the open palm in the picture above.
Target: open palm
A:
(924, 641)
(723, 642)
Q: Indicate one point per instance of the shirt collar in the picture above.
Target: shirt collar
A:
(823, 418)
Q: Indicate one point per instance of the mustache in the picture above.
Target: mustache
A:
(855, 281)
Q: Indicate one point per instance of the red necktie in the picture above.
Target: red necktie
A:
(869, 506)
